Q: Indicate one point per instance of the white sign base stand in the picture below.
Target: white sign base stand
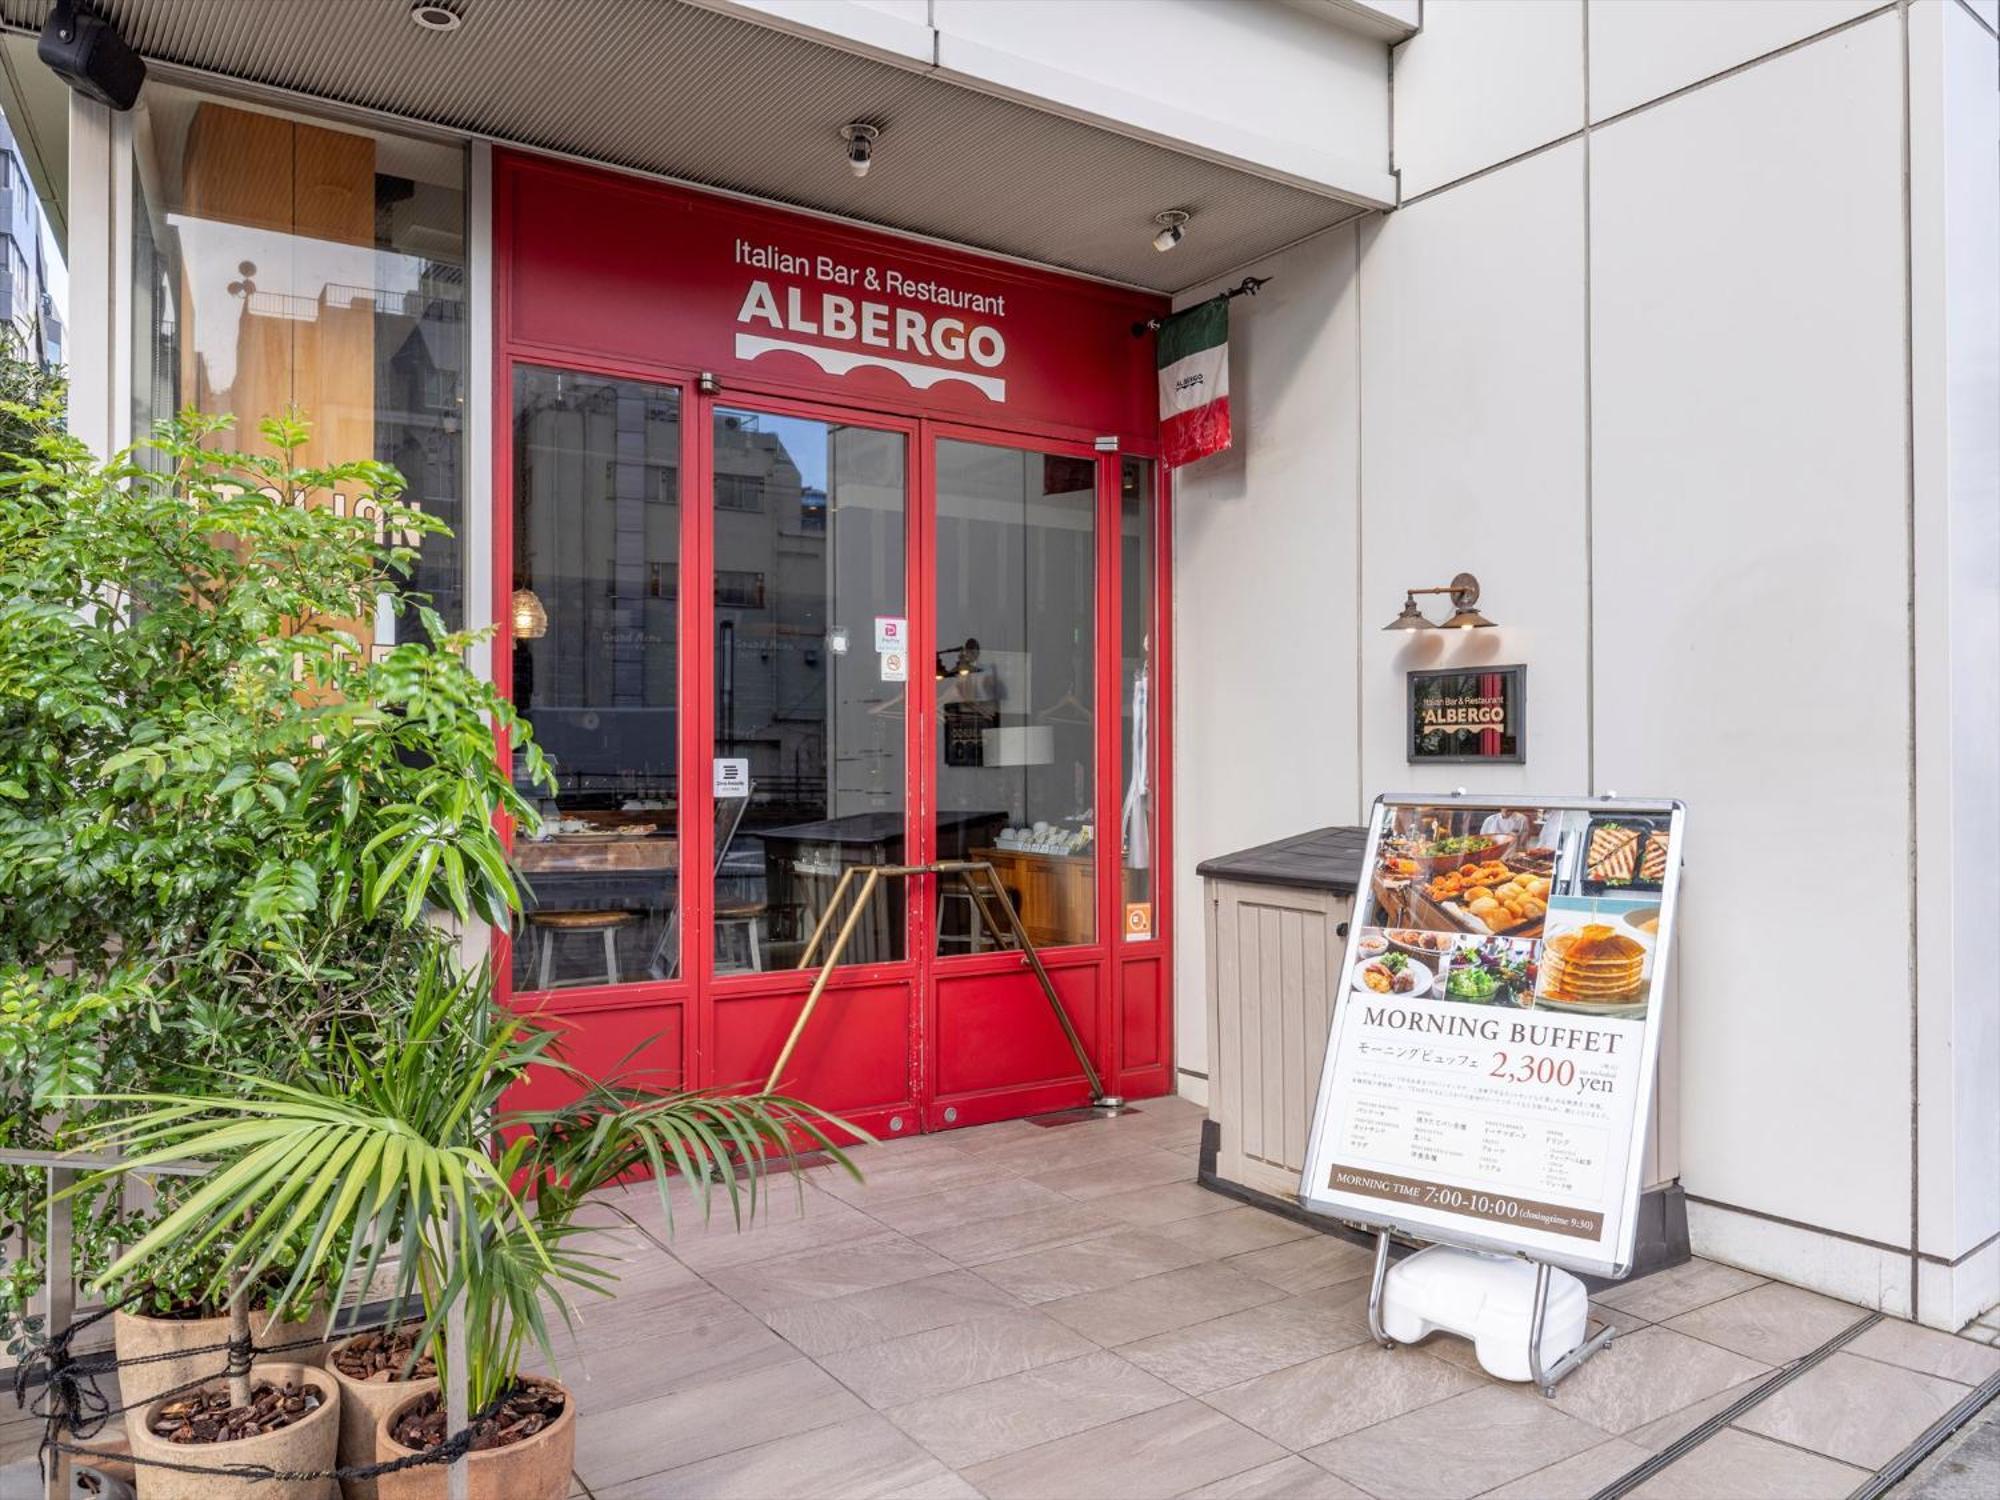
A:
(1526, 1321)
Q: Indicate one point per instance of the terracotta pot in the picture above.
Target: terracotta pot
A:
(363, 1405)
(136, 1336)
(538, 1469)
(305, 1445)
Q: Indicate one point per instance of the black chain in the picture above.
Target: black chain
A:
(451, 1450)
(71, 1399)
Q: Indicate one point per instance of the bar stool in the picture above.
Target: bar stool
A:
(748, 916)
(974, 937)
(555, 924)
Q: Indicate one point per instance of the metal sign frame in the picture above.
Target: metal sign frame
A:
(1385, 1217)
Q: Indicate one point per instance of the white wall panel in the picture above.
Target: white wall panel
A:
(1472, 441)
(1264, 84)
(1955, 229)
(1264, 602)
(1752, 646)
(1485, 80)
(1642, 49)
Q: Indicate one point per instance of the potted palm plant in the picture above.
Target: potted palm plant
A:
(227, 808)
(408, 1142)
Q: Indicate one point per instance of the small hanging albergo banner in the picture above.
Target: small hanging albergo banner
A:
(1193, 359)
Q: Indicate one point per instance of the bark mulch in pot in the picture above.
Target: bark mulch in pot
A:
(208, 1417)
(377, 1357)
(527, 1410)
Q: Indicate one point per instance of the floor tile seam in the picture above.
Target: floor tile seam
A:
(1737, 1426)
(1188, 1328)
(1765, 1366)
(894, 1200)
(1760, 1283)
(1277, 1296)
(998, 1312)
(1494, 1489)
(1603, 1437)
(1876, 1359)
(1261, 1463)
(769, 1260)
(1485, 1383)
(738, 1448)
(1000, 1260)
(1178, 1494)
(888, 1412)
(1763, 1387)
(1746, 1291)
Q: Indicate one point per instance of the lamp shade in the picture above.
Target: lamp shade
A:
(1468, 619)
(1411, 618)
(529, 620)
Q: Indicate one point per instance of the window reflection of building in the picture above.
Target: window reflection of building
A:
(808, 520)
(770, 599)
(282, 263)
(596, 544)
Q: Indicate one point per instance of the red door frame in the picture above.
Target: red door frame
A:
(690, 999)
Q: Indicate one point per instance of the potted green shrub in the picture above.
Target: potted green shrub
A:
(410, 1143)
(226, 812)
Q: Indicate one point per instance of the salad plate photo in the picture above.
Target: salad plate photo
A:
(1498, 971)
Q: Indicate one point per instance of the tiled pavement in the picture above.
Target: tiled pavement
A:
(1013, 1311)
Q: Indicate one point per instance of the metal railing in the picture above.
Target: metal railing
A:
(60, 1170)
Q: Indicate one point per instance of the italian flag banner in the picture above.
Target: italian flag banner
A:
(1193, 359)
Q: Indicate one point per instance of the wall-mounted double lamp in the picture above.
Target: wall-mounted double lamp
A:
(1464, 592)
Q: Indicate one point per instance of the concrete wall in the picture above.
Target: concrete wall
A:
(1664, 350)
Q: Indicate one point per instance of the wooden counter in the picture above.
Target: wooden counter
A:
(1054, 893)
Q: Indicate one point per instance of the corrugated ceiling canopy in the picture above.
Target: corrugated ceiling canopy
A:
(718, 101)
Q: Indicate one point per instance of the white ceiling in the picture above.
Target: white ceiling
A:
(718, 101)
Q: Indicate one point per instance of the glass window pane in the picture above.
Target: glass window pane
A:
(808, 556)
(277, 262)
(1137, 582)
(1016, 687)
(596, 672)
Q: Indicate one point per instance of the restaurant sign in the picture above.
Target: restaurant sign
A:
(653, 273)
(1471, 714)
(1489, 1078)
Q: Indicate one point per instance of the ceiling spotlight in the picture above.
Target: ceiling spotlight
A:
(434, 17)
(1464, 592)
(1173, 225)
(860, 139)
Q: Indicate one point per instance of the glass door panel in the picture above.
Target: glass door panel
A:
(596, 542)
(809, 557)
(1137, 592)
(1016, 685)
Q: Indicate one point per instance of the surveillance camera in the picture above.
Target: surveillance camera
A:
(860, 141)
(1173, 227)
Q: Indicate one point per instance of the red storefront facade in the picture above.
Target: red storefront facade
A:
(796, 435)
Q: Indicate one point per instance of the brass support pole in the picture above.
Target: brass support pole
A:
(854, 911)
(826, 917)
(967, 870)
(1098, 1098)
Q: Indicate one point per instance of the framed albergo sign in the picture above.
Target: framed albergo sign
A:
(1474, 714)
(1489, 1078)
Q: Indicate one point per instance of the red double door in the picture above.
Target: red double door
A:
(772, 640)
(825, 548)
